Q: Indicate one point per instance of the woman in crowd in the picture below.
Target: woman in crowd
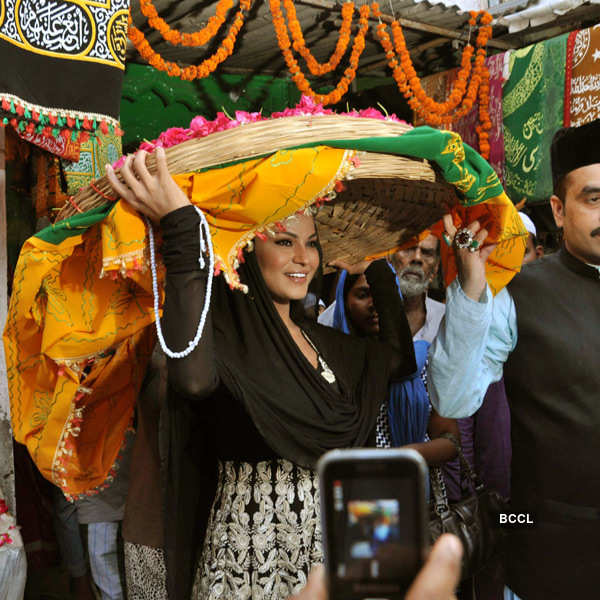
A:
(263, 395)
(406, 419)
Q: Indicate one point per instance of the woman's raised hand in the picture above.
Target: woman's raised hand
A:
(470, 255)
(152, 195)
(353, 269)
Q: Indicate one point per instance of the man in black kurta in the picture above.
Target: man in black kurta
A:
(543, 333)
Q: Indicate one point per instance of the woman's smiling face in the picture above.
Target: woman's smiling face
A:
(289, 259)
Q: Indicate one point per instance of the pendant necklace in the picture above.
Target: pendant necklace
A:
(327, 374)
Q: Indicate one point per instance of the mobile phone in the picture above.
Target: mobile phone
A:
(374, 519)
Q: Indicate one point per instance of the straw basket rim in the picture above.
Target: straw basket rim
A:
(402, 183)
(260, 138)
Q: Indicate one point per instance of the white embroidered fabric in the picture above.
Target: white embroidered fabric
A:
(263, 534)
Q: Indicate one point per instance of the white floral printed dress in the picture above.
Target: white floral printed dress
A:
(263, 534)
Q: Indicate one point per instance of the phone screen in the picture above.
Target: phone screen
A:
(374, 519)
(374, 528)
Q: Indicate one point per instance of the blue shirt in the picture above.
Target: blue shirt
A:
(472, 345)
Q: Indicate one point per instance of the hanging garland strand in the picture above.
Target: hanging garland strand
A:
(177, 38)
(191, 72)
(298, 77)
(299, 44)
(485, 122)
(462, 96)
(409, 83)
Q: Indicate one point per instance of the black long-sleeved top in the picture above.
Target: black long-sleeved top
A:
(196, 377)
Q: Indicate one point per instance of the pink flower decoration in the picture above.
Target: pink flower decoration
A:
(201, 127)
(243, 117)
(174, 136)
(370, 113)
(199, 124)
(147, 146)
(119, 163)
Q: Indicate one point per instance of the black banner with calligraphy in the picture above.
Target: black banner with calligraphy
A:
(62, 68)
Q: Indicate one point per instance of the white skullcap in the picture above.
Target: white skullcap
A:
(529, 225)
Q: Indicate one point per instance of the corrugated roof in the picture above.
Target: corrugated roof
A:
(542, 19)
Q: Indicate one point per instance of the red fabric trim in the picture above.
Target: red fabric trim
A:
(75, 206)
(568, 77)
(101, 193)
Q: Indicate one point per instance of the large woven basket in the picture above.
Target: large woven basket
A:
(388, 200)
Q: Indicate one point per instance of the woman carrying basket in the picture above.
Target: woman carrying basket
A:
(262, 396)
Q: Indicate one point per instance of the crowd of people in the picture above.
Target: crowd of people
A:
(219, 497)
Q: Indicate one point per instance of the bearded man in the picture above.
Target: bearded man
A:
(416, 267)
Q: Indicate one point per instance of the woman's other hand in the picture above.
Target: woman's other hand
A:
(470, 261)
(152, 195)
(353, 269)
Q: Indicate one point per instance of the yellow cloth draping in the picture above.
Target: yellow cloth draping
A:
(77, 339)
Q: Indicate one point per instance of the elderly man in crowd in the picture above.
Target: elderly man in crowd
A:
(542, 332)
(416, 267)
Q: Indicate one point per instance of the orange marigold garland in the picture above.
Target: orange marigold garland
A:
(177, 38)
(298, 77)
(206, 67)
(462, 95)
(299, 44)
(485, 122)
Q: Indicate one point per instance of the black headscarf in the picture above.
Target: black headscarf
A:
(298, 413)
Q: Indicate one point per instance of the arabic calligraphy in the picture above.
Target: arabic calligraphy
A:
(525, 87)
(514, 148)
(529, 163)
(535, 124)
(585, 109)
(585, 83)
(455, 147)
(56, 26)
(582, 45)
(117, 36)
(74, 29)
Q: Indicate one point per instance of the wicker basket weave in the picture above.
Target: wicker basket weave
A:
(389, 199)
(374, 215)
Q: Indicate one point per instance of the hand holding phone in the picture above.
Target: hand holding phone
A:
(437, 580)
(374, 518)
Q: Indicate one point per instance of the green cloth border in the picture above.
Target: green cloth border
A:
(75, 225)
(426, 143)
(459, 164)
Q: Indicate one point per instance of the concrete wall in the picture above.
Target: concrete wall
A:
(7, 475)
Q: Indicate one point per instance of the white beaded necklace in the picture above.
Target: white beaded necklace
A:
(205, 244)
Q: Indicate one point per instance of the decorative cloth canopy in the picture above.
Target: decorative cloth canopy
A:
(533, 108)
(94, 155)
(62, 69)
(77, 338)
